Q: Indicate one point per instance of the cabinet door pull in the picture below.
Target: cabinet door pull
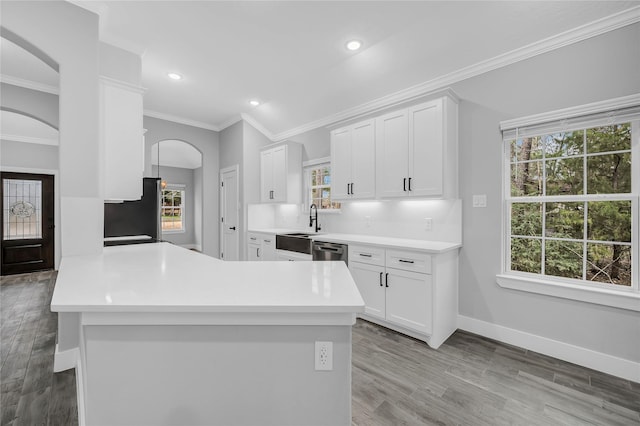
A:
(404, 184)
(405, 261)
(409, 184)
(348, 190)
(258, 252)
(386, 279)
(380, 279)
(351, 188)
(267, 241)
(253, 238)
(365, 254)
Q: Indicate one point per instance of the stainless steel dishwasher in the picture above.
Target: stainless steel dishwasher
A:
(322, 250)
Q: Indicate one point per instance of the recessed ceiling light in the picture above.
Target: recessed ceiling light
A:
(174, 76)
(354, 45)
(254, 102)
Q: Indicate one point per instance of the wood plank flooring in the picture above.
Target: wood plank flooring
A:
(397, 380)
(31, 394)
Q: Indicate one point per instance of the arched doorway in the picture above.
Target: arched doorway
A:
(179, 165)
(29, 141)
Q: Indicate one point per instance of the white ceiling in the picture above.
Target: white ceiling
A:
(291, 55)
(174, 153)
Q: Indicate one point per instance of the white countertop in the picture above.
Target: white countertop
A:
(432, 247)
(166, 278)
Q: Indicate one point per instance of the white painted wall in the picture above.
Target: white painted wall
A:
(207, 142)
(40, 105)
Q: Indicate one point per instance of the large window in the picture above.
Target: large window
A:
(173, 210)
(571, 202)
(318, 179)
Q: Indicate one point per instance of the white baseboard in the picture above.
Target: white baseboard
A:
(575, 354)
(65, 360)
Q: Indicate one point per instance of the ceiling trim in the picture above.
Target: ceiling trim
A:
(229, 122)
(180, 120)
(28, 84)
(28, 139)
(259, 127)
(583, 32)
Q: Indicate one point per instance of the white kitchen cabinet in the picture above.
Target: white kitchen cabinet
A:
(292, 256)
(417, 151)
(281, 174)
(261, 247)
(408, 291)
(353, 162)
(121, 139)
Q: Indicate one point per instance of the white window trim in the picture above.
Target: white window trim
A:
(178, 187)
(310, 164)
(624, 298)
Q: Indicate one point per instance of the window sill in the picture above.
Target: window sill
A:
(618, 299)
(182, 231)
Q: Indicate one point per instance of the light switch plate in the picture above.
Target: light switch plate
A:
(480, 200)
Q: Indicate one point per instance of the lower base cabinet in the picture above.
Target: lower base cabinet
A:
(261, 246)
(411, 292)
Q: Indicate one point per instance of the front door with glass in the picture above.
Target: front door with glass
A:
(27, 232)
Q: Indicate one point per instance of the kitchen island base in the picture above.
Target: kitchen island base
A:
(215, 375)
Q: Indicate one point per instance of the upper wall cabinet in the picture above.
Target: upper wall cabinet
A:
(417, 151)
(353, 162)
(122, 141)
(281, 174)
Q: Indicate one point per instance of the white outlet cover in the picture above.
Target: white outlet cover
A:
(324, 356)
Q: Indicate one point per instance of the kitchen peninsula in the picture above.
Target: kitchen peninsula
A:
(169, 336)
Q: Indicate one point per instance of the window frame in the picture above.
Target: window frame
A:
(307, 166)
(174, 187)
(574, 289)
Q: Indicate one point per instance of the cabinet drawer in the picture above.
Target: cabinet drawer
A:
(366, 254)
(409, 261)
(253, 238)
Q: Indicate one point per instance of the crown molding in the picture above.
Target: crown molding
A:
(259, 127)
(122, 84)
(181, 120)
(28, 84)
(229, 122)
(29, 139)
(571, 112)
(566, 38)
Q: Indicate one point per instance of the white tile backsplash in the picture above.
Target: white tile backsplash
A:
(400, 219)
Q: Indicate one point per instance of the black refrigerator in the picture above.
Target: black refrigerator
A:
(134, 222)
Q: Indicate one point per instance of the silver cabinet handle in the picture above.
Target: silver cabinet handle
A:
(365, 254)
(380, 279)
(405, 261)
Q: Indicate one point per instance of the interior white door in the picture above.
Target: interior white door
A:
(230, 232)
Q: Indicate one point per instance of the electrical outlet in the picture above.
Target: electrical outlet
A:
(324, 356)
(428, 224)
(480, 200)
(368, 221)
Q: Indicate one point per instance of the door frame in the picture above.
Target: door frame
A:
(57, 250)
(235, 168)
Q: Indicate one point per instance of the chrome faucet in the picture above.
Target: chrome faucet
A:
(312, 218)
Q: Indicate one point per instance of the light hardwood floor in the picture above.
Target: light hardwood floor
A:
(397, 380)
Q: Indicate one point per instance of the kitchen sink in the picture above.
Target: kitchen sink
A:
(298, 242)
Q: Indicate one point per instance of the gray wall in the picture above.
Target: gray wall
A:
(120, 64)
(207, 142)
(39, 105)
(28, 155)
(600, 68)
(183, 177)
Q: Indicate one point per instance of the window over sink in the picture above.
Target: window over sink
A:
(317, 175)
